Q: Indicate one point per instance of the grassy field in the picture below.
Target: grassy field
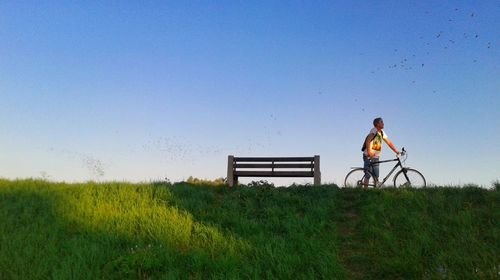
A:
(143, 231)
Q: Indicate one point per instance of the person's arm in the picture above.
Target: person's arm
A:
(368, 144)
(391, 145)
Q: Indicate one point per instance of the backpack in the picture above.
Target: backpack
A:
(363, 147)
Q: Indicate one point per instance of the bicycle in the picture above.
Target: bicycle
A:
(406, 177)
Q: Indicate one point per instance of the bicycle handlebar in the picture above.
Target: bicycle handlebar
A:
(402, 155)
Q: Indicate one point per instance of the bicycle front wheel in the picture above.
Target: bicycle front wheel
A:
(356, 179)
(408, 177)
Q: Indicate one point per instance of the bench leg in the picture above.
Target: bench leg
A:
(317, 172)
(230, 169)
(317, 178)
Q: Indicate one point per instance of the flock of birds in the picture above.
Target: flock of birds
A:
(419, 56)
(441, 40)
(93, 165)
(169, 148)
(179, 149)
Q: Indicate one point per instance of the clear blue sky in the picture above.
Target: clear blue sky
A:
(142, 90)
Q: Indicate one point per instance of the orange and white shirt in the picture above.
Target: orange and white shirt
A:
(376, 143)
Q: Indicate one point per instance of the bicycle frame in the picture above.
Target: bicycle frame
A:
(399, 164)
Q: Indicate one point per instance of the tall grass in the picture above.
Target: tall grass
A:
(183, 231)
(120, 230)
(436, 233)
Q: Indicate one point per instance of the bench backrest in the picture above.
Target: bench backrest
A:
(273, 167)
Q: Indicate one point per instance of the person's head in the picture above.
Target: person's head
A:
(378, 123)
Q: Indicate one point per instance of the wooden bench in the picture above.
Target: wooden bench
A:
(272, 167)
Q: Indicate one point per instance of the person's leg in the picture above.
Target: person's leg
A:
(366, 166)
(375, 168)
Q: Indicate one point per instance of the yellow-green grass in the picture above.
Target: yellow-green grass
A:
(159, 231)
(121, 230)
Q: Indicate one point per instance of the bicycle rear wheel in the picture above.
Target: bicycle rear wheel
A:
(355, 179)
(408, 177)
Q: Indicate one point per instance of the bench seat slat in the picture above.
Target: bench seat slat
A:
(274, 174)
(270, 159)
(276, 165)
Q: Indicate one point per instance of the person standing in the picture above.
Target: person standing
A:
(372, 148)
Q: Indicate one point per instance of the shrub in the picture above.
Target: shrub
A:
(261, 183)
(496, 185)
(205, 182)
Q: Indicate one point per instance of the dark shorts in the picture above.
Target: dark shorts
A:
(373, 167)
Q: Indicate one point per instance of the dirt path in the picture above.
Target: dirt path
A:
(349, 202)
